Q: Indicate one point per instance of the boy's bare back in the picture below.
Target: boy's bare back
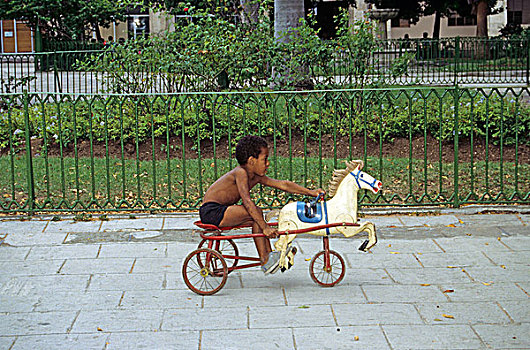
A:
(225, 190)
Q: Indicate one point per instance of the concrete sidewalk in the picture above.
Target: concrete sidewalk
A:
(448, 281)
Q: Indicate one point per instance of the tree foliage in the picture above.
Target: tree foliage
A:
(65, 19)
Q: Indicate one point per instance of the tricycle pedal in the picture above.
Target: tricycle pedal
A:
(363, 246)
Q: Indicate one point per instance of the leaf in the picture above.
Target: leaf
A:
(437, 319)
(448, 316)
(308, 259)
(449, 291)
(460, 221)
(356, 338)
(486, 283)
(394, 252)
(452, 267)
(99, 329)
(425, 284)
(450, 225)
(503, 266)
(303, 307)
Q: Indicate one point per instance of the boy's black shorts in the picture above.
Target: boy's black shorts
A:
(212, 213)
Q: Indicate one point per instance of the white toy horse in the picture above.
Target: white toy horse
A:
(342, 208)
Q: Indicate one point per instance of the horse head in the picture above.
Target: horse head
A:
(365, 181)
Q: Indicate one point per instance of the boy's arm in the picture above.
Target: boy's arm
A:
(252, 209)
(289, 186)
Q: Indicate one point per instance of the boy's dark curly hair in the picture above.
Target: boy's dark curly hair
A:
(249, 146)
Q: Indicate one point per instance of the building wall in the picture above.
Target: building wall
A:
(16, 37)
(426, 24)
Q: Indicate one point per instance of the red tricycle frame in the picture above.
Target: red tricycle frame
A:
(205, 270)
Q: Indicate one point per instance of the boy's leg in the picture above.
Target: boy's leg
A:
(236, 215)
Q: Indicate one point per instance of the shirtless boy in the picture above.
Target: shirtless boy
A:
(219, 203)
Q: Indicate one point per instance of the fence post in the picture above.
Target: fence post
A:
(456, 202)
(528, 62)
(29, 157)
(457, 53)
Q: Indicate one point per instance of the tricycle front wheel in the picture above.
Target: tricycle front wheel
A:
(205, 271)
(327, 269)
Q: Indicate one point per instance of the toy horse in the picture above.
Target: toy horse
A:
(342, 208)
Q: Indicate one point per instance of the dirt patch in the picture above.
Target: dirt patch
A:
(418, 147)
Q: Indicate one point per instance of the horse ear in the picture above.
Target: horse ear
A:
(359, 162)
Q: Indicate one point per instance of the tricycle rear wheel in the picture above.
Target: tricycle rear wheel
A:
(205, 271)
(227, 247)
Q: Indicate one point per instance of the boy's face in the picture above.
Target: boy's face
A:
(261, 164)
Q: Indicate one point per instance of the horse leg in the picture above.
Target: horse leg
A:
(364, 227)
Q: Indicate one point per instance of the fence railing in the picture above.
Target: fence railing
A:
(443, 62)
(441, 147)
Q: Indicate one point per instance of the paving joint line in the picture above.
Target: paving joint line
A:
(13, 343)
(248, 317)
(121, 298)
(390, 276)
(333, 314)
(520, 219)
(439, 246)
(200, 339)
(385, 335)
(88, 282)
(61, 267)
(521, 288)
(480, 338)
(132, 267)
(66, 237)
(490, 259)
(419, 313)
(418, 259)
(507, 246)
(46, 226)
(364, 294)
(162, 319)
(29, 251)
(506, 312)
(294, 338)
(164, 282)
(284, 296)
(99, 251)
(69, 329)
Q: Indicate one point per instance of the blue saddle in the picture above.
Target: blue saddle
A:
(310, 212)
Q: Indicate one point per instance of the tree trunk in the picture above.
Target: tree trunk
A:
(287, 15)
(98, 32)
(249, 11)
(436, 29)
(482, 9)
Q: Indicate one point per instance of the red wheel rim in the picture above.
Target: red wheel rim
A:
(327, 276)
(205, 271)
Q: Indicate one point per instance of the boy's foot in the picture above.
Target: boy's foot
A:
(273, 263)
(291, 252)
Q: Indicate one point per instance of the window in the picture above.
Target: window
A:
(515, 17)
(457, 20)
(400, 23)
(138, 25)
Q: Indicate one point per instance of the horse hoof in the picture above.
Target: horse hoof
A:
(363, 246)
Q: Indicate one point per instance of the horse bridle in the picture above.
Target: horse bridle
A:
(358, 178)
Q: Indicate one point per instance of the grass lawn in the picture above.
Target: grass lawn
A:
(107, 184)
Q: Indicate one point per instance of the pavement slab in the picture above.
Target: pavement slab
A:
(160, 299)
(459, 259)
(205, 319)
(479, 292)
(471, 313)
(146, 224)
(154, 340)
(428, 275)
(247, 297)
(375, 314)
(343, 338)
(124, 282)
(429, 220)
(291, 316)
(255, 339)
(61, 342)
(62, 252)
(432, 337)
(71, 226)
(31, 285)
(29, 268)
(16, 303)
(23, 239)
(403, 293)
(117, 321)
(147, 265)
(13, 253)
(518, 243)
(472, 244)
(97, 266)
(339, 294)
(72, 301)
(26, 323)
(133, 250)
(514, 336)
(496, 274)
(27, 227)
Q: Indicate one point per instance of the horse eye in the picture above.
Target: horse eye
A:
(361, 175)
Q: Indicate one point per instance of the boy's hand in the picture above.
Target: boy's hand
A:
(270, 232)
(316, 192)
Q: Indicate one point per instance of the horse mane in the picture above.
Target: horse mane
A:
(340, 174)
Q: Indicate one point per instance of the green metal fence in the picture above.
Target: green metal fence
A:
(443, 62)
(442, 147)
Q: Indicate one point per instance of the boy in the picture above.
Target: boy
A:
(218, 207)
